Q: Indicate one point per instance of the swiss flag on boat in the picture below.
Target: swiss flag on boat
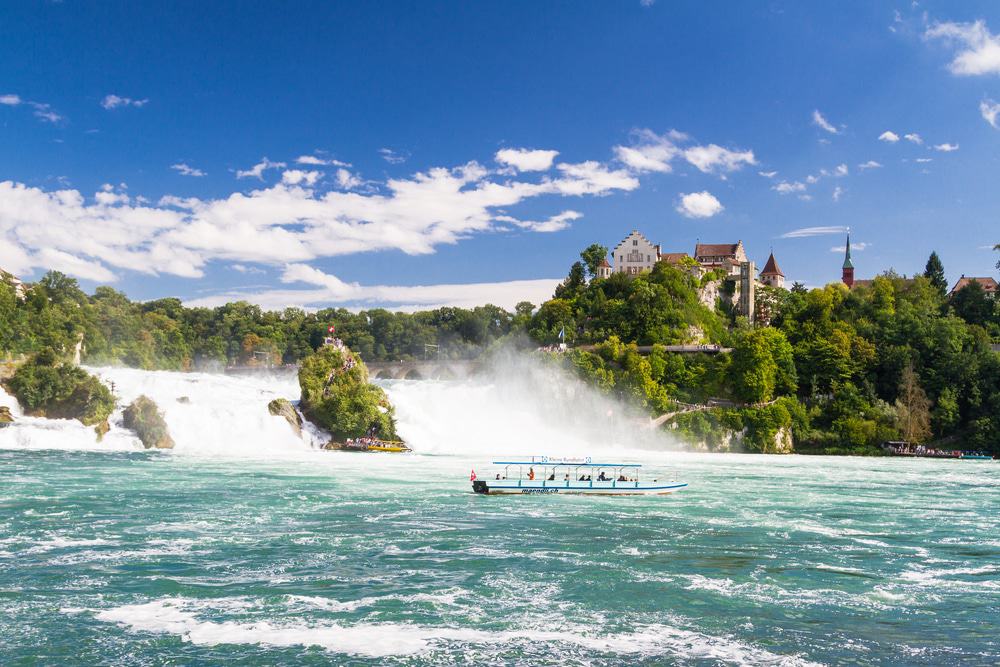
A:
(331, 328)
(472, 477)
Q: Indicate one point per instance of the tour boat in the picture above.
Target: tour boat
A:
(541, 474)
(368, 445)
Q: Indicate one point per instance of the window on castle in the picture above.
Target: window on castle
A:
(634, 242)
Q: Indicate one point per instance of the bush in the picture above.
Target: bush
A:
(46, 387)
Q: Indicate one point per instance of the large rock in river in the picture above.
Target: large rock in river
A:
(280, 407)
(45, 386)
(144, 418)
(5, 416)
(337, 396)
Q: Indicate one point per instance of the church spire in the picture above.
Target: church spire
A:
(848, 274)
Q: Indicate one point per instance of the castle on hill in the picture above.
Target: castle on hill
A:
(636, 254)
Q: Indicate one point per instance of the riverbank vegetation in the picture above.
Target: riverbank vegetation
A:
(839, 370)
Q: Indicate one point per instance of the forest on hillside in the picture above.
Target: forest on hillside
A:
(843, 370)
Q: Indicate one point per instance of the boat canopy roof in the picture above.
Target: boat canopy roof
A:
(567, 464)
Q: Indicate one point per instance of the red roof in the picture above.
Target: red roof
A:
(604, 262)
(673, 257)
(715, 249)
(771, 268)
(989, 285)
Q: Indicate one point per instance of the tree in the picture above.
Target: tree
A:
(913, 413)
(972, 304)
(574, 282)
(934, 272)
(592, 257)
(997, 248)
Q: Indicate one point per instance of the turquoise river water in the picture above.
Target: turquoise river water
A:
(113, 555)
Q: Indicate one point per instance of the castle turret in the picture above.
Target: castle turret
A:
(772, 275)
(604, 269)
(848, 275)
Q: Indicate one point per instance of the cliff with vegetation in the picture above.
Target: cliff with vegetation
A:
(338, 397)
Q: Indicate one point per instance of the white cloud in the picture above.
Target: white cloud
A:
(257, 171)
(699, 205)
(914, 138)
(392, 157)
(854, 246)
(556, 223)
(980, 52)
(785, 188)
(40, 110)
(839, 171)
(348, 181)
(768, 174)
(712, 158)
(650, 151)
(300, 177)
(821, 122)
(318, 161)
(284, 223)
(925, 159)
(990, 110)
(946, 148)
(838, 192)
(871, 164)
(810, 179)
(889, 137)
(331, 291)
(243, 268)
(186, 170)
(114, 101)
(647, 3)
(526, 159)
(806, 232)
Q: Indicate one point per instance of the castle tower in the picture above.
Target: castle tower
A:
(604, 269)
(848, 275)
(772, 275)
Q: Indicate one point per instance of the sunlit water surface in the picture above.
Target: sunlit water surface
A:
(287, 555)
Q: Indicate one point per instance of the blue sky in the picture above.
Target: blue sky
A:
(419, 154)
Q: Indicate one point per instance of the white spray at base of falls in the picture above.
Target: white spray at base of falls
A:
(517, 406)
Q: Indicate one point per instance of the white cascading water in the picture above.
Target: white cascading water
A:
(516, 407)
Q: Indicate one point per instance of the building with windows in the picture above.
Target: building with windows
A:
(635, 254)
(847, 274)
(726, 256)
(772, 275)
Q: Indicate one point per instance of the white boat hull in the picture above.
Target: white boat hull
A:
(524, 487)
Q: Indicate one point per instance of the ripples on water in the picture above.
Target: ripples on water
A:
(131, 557)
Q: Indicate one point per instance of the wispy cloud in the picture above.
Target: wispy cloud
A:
(186, 170)
(555, 223)
(114, 101)
(838, 192)
(768, 174)
(990, 110)
(40, 110)
(889, 137)
(914, 138)
(854, 246)
(393, 157)
(820, 121)
(316, 161)
(257, 171)
(806, 232)
(787, 188)
(652, 152)
(946, 148)
(871, 164)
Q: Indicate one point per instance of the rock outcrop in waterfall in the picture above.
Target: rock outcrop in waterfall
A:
(45, 386)
(280, 407)
(337, 396)
(143, 417)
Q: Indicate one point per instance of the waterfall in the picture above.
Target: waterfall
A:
(517, 407)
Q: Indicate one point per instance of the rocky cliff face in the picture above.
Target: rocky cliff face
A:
(5, 416)
(337, 396)
(144, 418)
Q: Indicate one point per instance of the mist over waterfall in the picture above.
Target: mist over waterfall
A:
(516, 406)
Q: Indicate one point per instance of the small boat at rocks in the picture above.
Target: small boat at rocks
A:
(368, 445)
(540, 474)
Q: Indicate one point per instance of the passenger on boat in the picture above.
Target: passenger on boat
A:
(552, 477)
(498, 475)
(567, 477)
(621, 478)
(602, 477)
(531, 474)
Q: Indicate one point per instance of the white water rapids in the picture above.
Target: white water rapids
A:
(517, 408)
